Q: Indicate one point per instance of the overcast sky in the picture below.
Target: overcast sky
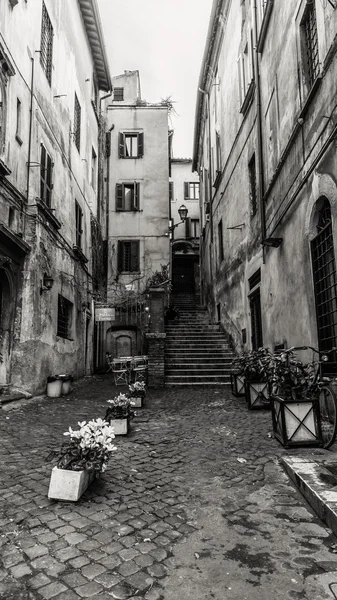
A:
(164, 40)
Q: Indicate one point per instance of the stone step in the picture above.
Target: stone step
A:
(199, 361)
(197, 370)
(213, 384)
(209, 352)
(212, 336)
(201, 379)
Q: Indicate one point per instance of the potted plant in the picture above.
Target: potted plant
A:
(137, 393)
(85, 454)
(119, 414)
(258, 370)
(54, 386)
(237, 376)
(294, 407)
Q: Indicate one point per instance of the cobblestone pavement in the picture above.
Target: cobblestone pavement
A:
(194, 505)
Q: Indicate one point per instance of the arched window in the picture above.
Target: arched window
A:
(324, 274)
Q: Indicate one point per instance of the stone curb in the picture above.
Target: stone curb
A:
(307, 474)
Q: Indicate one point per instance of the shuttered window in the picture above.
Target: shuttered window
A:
(128, 256)
(118, 94)
(191, 190)
(46, 49)
(46, 167)
(78, 224)
(77, 123)
(171, 191)
(127, 196)
(131, 145)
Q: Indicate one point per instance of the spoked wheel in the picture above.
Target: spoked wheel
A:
(327, 403)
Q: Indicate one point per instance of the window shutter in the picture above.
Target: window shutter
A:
(140, 145)
(241, 79)
(42, 172)
(135, 200)
(186, 189)
(121, 145)
(120, 256)
(250, 57)
(134, 256)
(188, 227)
(171, 191)
(119, 196)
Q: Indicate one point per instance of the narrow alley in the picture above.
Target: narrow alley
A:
(193, 505)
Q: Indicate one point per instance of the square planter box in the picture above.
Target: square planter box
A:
(138, 402)
(237, 384)
(121, 426)
(69, 485)
(295, 422)
(257, 394)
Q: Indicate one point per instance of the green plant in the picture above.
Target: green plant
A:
(119, 408)
(290, 376)
(255, 364)
(88, 447)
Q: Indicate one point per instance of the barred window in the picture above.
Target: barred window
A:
(128, 256)
(64, 317)
(77, 123)
(46, 49)
(310, 45)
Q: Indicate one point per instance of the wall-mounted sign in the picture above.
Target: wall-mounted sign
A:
(105, 314)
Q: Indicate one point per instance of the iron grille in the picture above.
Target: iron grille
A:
(64, 317)
(311, 44)
(324, 273)
(46, 50)
(77, 123)
(256, 319)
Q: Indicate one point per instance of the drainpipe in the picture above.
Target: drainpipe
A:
(259, 148)
(210, 187)
(30, 126)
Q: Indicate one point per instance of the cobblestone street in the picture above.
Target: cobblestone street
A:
(194, 505)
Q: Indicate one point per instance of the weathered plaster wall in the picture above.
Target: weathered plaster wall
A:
(37, 352)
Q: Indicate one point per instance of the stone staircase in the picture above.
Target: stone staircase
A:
(197, 351)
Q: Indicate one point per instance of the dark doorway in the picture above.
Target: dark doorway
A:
(256, 319)
(183, 277)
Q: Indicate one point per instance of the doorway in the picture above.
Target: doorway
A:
(183, 277)
(5, 325)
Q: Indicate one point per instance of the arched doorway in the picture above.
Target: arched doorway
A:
(324, 275)
(6, 307)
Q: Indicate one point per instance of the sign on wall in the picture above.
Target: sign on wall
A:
(105, 314)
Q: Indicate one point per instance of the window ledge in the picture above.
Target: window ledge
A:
(264, 25)
(48, 213)
(18, 139)
(248, 98)
(310, 96)
(79, 254)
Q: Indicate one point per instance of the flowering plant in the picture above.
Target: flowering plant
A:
(120, 400)
(119, 407)
(137, 389)
(88, 447)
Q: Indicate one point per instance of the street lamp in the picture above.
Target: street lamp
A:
(183, 212)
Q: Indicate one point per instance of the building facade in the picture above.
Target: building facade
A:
(184, 191)
(264, 148)
(51, 79)
(136, 175)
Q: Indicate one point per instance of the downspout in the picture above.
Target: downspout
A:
(30, 127)
(259, 148)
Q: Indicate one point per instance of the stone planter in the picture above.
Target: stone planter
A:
(69, 485)
(120, 426)
(138, 401)
(257, 394)
(54, 388)
(237, 384)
